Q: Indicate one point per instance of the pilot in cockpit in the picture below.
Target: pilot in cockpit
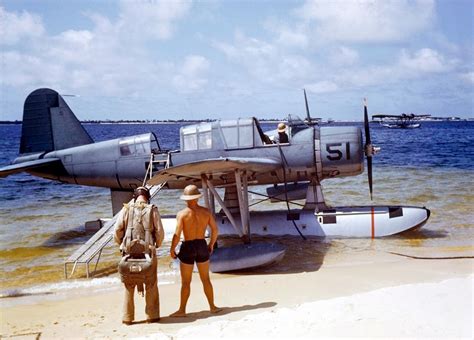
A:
(282, 136)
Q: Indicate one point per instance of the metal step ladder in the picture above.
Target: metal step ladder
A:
(94, 246)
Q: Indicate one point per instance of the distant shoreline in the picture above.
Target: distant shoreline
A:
(129, 122)
(184, 121)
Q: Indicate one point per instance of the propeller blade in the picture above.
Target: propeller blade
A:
(366, 124)
(369, 174)
(308, 116)
(368, 147)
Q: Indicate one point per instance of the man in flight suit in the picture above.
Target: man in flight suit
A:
(143, 214)
(192, 221)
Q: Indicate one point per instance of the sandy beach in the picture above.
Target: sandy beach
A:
(358, 293)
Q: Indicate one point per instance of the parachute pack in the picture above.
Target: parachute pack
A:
(137, 266)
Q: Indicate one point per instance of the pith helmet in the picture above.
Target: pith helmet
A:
(142, 191)
(281, 127)
(191, 192)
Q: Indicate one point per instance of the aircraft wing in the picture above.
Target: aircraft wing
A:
(215, 167)
(386, 116)
(19, 167)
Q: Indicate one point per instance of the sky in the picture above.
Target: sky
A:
(163, 59)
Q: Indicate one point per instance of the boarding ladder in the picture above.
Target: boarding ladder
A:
(94, 246)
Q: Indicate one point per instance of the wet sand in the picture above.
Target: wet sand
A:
(337, 295)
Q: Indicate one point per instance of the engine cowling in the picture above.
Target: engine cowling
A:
(341, 151)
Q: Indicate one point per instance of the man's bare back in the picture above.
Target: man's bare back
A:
(193, 222)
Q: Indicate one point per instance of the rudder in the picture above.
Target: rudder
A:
(49, 124)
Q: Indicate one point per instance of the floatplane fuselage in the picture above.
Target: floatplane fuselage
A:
(230, 154)
(222, 156)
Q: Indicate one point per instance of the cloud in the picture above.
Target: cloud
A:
(343, 56)
(110, 58)
(425, 60)
(336, 68)
(367, 20)
(64, 47)
(142, 53)
(245, 47)
(191, 74)
(26, 69)
(17, 26)
(253, 54)
(151, 19)
(322, 87)
(407, 66)
(287, 36)
(372, 75)
(292, 38)
(467, 77)
(320, 46)
(266, 61)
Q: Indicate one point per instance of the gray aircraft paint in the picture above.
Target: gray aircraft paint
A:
(52, 132)
(55, 146)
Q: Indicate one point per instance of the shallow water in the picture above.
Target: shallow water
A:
(42, 221)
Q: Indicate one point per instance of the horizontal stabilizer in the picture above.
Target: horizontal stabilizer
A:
(15, 168)
(215, 167)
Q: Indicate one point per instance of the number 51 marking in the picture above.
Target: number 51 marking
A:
(335, 151)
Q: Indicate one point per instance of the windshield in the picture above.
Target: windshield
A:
(296, 124)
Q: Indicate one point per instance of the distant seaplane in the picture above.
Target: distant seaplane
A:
(231, 155)
(403, 121)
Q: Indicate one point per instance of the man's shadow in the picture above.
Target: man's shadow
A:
(191, 317)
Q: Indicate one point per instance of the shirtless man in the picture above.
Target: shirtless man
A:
(192, 222)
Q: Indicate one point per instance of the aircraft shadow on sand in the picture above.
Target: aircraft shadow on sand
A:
(66, 238)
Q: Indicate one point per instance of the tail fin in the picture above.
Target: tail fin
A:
(49, 124)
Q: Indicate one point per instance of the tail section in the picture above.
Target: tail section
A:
(49, 124)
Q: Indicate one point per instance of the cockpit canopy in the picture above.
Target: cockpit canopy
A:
(241, 133)
(138, 145)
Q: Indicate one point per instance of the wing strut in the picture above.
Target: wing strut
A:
(243, 196)
(221, 203)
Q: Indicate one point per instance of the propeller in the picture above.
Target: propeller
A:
(309, 120)
(308, 116)
(370, 150)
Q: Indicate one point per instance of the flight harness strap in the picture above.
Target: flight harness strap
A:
(128, 233)
(148, 209)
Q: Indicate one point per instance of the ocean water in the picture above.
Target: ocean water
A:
(42, 222)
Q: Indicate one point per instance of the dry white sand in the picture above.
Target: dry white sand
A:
(360, 293)
(442, 309)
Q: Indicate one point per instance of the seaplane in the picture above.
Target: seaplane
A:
(228, 156)
(403, 121)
